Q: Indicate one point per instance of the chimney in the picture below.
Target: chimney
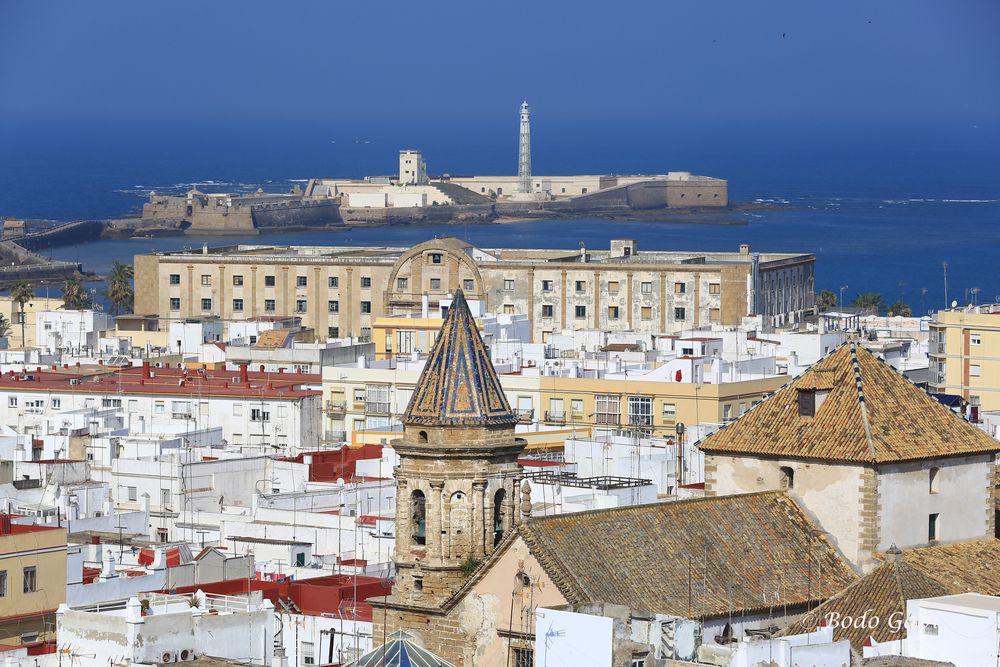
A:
(744, 248)
(144, 503)
(145, 368)
(108, 571)
(244, 375)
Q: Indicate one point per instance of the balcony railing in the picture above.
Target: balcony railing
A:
(555, 417)
(606, 419)
(377, 407)
(525, 416)
(336, 407)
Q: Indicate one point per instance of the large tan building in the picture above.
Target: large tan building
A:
(339, 291)
(964, 348)
(32, 581)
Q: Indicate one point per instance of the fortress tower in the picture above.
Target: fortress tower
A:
(524, 153)
(458, 476)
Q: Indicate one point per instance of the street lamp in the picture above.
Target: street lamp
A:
(840, 302)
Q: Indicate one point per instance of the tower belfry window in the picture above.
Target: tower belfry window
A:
(419, 509)
(498, 515)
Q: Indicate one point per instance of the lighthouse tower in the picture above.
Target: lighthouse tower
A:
(524, 154)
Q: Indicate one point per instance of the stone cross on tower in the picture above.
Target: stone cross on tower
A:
(524, 154)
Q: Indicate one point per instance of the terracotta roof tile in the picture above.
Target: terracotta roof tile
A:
(947, 569)
(737, 554)
(869, 414)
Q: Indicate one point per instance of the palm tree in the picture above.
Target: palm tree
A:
(119, 288)
(4, 326)
(21, 295)
(868, 301)
(826, 300)
(900, 309)
(75, 296)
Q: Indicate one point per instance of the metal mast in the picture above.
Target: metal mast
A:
(524, 156)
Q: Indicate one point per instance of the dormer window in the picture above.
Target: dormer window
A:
(807, 403)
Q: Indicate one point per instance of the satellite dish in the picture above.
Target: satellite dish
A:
(954, 304)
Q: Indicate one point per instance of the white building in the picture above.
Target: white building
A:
(172, 628)
(255, 410)
(962, 629)
(70, 332)
(412, 168)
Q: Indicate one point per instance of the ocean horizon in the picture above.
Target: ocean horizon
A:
(880, 209)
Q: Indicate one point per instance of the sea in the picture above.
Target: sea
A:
(883, 208)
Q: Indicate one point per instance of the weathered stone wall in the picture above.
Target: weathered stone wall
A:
(421, 214)
(841, 498)
(708, 192)
(294, 214)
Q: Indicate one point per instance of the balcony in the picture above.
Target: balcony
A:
(525, 416)
(555, 417)
(336, 407)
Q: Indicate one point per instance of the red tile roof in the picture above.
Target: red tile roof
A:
(165, 381)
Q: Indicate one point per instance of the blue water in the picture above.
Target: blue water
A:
(881, 208)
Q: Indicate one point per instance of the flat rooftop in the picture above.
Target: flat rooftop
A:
(389, 254)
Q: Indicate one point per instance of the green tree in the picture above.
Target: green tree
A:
(119, 289)
(4, 326)
(826, 300)
(900, 309)
(868, 301)
(75, 295)
(21, 295)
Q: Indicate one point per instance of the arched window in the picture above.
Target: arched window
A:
(418, 509)
(498, 515)
(787, 476)
(422, 437)
(933, 480)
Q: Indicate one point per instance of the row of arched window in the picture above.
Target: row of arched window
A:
(418, 514)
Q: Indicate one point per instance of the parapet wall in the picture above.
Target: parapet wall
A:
(293, 214)
(421, 214)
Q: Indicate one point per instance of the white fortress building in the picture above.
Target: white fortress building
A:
(414, 187)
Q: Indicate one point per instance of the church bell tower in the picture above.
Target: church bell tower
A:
(458, 479)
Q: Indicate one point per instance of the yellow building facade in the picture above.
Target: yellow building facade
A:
(32, 581)
(362, 403)
(964, 349)
(11, 310)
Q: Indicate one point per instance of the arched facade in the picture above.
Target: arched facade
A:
(436, 268)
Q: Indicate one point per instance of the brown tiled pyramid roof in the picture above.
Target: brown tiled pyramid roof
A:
(947, 569)
(459, 386)
(733, 553)
(871, 414)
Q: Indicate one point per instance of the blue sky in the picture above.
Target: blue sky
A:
(884, 61)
